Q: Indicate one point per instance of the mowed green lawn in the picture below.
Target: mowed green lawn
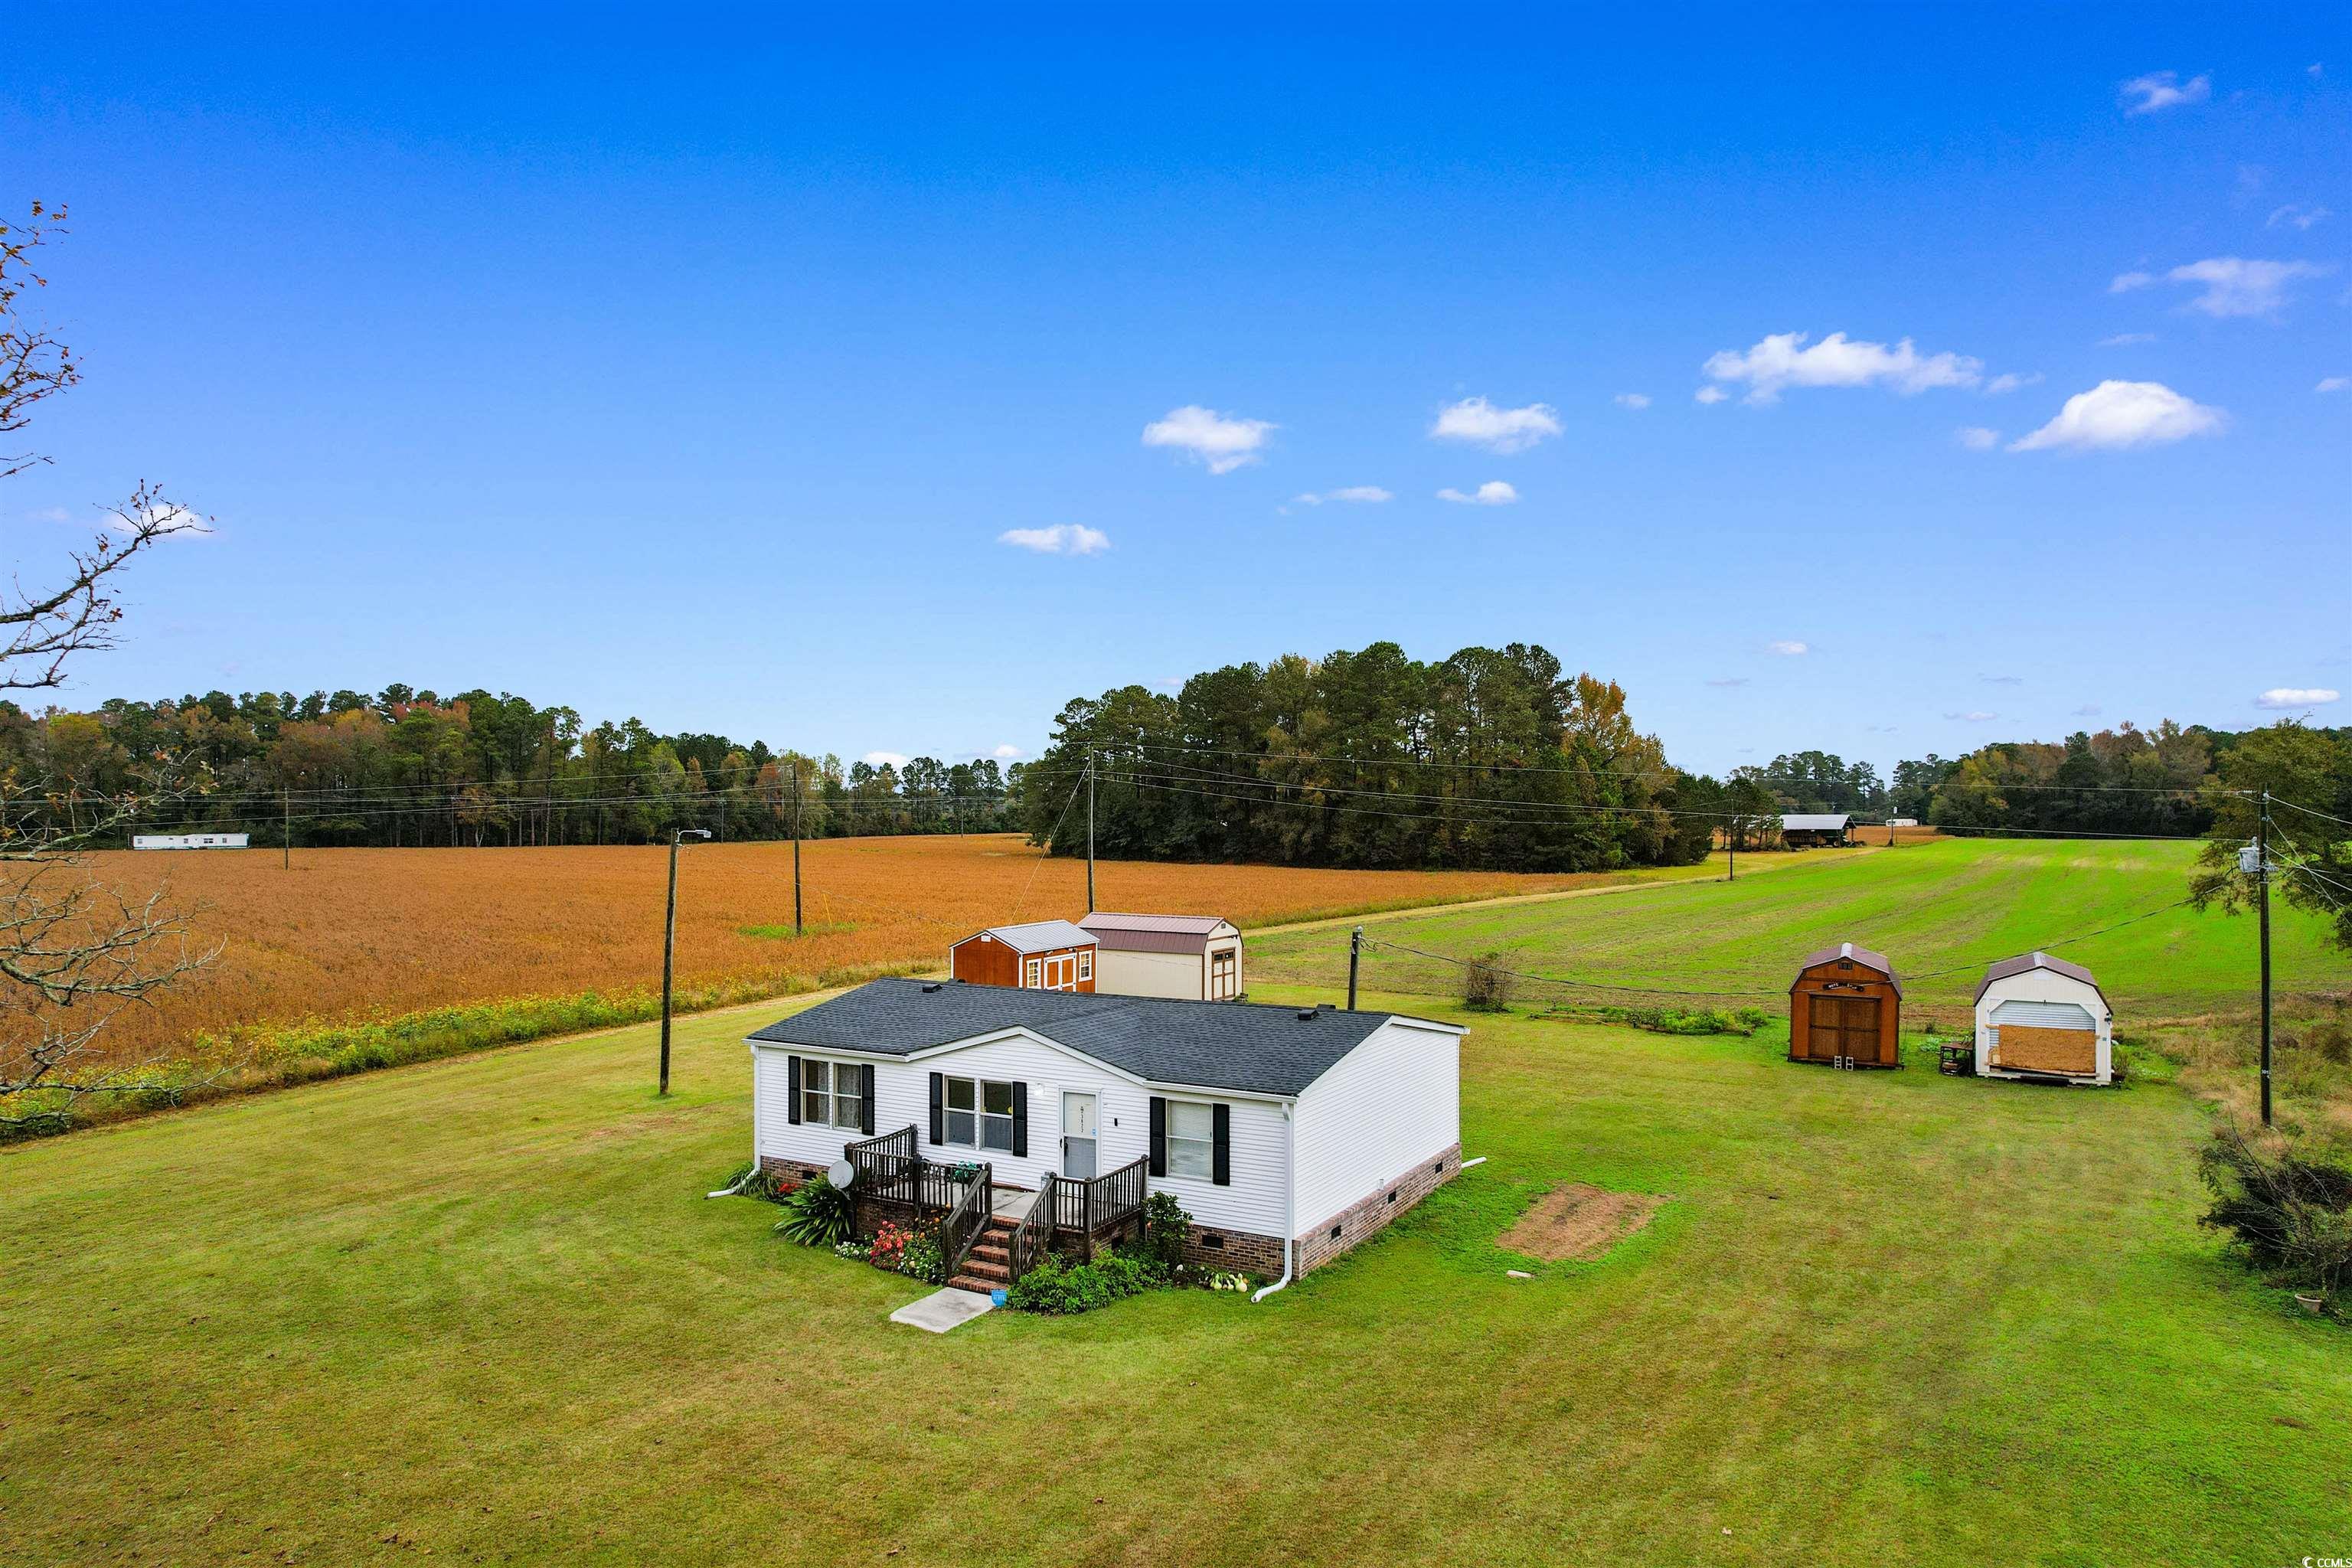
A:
(480, 1309)
(1948, 906)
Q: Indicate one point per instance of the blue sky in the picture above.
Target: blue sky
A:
(700, 376)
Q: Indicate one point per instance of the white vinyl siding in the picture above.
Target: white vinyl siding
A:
(2044, 999)
(1252, 1202)
(1390, 1103)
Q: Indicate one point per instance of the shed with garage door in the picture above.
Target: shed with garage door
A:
(2041, 1017)
(1845, 1009)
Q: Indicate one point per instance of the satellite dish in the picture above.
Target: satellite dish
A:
(841, 1173)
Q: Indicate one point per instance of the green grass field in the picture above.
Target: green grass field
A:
(1941, 910)
(480, 1309)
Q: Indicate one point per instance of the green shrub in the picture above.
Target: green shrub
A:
(816, 1214)
(1166, 1226)
(2291, 1216)
(1688, 1020)
(1054, 1286)
(922, 1258)
(1486, 985)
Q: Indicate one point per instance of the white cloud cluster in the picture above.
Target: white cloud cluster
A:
(2230, 285)
(1221, 441)
(2296, 697)
(2332, 383)
(2119, 413)
(2162, 90)
(1062, 538)
(2010, 381)
(2127, 339)
(1005, 753)
(1974, 716)
(2298, 217)
(1504, 430)
(1494, 493)
(1781, 360)
(884, 759)
(1976, 438)
(1788, 648)
(1631, 400)
(1359, 494)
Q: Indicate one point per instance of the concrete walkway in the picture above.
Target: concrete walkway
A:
(943, 1309)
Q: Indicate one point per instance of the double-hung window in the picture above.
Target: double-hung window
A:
(833, 1093)
(1192, 1136)
(980, 1114)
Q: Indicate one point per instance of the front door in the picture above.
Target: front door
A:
(1081, 1123)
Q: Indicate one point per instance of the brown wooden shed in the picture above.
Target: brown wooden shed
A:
(1845, 1009)
(1043, 955)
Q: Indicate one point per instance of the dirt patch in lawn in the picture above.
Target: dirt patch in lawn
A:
(1579, 1223)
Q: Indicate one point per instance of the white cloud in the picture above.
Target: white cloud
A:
(2010, 381)
(2332, 383)
(2296, 697)
(1711, 395)
(2117, 414)
(1062, 538)
(1220, 440)
(2125, 339)
(2162, 90)
(1787, 649)
(884, 759)
(1480, 422)
(1631, 400)
(1730, 680)
(1976, 438)
(49, 514)
(2298, 217)
(1781, 360)
(2002, 679)
(1005, 753)
(1494, 493)
(2126, 281)
(2237, 287)
(1358, 493)
(2087, 710)
(1974, 716)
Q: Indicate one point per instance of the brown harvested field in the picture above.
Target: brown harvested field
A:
(371, 933)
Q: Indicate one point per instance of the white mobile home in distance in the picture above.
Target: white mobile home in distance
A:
(190, 840)
(2043, 1018)
(1191, 958)
(1289, 1134)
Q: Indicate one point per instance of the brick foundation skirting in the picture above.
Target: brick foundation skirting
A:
(1372, 1214)
(1211, 1248)
(791, 1169)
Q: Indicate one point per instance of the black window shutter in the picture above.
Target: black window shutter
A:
(1221, 1150)
(866, 1123)
(939, 1108)
(1020, 1121)
(792, 1089)
(1159, 1136)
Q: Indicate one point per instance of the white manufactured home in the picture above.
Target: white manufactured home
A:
(2043, 1018)
(1289, 1133)
(190, 840)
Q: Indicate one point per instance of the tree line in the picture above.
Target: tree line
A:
(1490, 758)
(408, 767)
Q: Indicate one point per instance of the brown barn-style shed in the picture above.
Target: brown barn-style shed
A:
(1043, 955)
(1845, 1009)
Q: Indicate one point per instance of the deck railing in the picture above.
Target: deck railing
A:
(1035, 1235)
(890, 1170)
(966, 1218)
(1094, 1207)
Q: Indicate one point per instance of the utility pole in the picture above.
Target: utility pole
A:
(1355, 959)
(285, 831)
(796, 847)
(1090, 828)
(669, 941)
(2263, 897)
(1731, 846)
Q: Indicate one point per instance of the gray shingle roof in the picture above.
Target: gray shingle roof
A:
(1037, 936)
(1209, 1044)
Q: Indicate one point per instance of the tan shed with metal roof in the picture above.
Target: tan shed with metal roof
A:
(1845, 1009)
(1187, 958)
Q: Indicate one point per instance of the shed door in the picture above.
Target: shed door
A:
(2045, 1037)
(1823, 1039)
(1844, 1026)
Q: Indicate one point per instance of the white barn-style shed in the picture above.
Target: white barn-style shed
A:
(1289, 1133)
(2041, 1017)
(1188, 957)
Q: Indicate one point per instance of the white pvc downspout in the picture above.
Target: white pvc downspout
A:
(1289, 1199)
